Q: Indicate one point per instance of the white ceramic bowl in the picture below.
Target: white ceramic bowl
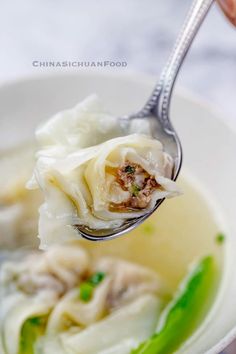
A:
(209, 153)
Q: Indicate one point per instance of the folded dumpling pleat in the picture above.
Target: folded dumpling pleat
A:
(15, 319)
(94, 172)
(125, 329)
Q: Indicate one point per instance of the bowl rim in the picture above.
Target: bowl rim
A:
(134, 75)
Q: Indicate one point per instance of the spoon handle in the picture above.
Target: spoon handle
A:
(159, 101)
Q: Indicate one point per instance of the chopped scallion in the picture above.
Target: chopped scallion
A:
(86, 288)
(135, 190)
(129, 169)
(220, 238)
(96, 278)
(86, 291)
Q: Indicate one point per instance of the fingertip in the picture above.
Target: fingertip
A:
(229, 8)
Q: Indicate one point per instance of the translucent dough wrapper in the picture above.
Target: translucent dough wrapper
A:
(97, 186)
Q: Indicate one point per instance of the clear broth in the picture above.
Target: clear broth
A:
(179, 232)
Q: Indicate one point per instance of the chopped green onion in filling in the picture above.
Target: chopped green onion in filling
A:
(135, 190)
(129, 169)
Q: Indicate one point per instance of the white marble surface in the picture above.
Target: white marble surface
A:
(139, 32)
(136, 31)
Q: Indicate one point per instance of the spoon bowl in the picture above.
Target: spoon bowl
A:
(171, 143)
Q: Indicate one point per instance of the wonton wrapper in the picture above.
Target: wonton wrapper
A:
(47, 285)
(76, 178)
(118, 333)
(79, 190)
(21, 309)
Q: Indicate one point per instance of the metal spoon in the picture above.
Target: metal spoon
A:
(157, 111)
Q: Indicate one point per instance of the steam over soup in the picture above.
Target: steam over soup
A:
(95, 172)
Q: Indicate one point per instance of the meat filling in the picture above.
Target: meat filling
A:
(138, 182)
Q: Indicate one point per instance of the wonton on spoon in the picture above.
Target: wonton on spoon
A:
(95, 173)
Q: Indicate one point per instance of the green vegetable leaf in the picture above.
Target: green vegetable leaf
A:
(184, 312)
(32, 329)
(86, 291)
(96, 278)
(220, 238)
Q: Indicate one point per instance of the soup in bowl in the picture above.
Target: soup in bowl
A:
(151, 291)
